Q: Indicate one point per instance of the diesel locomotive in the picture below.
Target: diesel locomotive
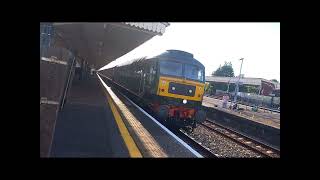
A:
(171, 84)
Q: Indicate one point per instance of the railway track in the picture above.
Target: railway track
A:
(204, 151)
(242, 140)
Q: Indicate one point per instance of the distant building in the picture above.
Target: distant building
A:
(265, 87)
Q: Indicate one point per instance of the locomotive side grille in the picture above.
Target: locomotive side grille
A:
(181, 89)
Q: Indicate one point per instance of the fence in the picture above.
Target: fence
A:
(259, 100)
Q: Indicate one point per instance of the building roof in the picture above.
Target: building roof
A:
(246, 80)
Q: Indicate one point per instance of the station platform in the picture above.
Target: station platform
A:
(86, 127)
(262, 117)
(96, 121)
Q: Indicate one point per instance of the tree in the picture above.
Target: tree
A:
(225, 71)
(208, 88)
(274, 80)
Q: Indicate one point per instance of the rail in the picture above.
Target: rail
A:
(243, 140)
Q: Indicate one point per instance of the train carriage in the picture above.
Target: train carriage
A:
(172, 84)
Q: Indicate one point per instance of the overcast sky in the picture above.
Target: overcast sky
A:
(214, 43)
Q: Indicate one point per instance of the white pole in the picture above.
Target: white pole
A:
(237, 85)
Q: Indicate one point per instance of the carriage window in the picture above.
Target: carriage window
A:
(171, 68)
(194, 72)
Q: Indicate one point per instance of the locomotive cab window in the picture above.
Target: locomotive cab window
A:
(194, 72)
(171, 68)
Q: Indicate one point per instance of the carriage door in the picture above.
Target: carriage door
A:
(152, 76)
(146, 79)
(142, 75)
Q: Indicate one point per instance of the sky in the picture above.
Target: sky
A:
(214, 43)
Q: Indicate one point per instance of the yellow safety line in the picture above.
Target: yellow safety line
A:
(131, 145)
(150, 145)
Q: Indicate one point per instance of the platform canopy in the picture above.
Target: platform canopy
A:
(101, 43)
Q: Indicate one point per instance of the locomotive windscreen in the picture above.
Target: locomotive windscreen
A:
(171, 68)
(193, 72)
(177, 69)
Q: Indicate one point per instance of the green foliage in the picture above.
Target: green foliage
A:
(209, 88)
(225, 71)
(274, 80)
(223, 87)
(249, 89)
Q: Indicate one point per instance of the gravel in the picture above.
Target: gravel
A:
(220, 145)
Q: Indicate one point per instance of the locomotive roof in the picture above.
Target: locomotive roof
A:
(175, 55)
(181, 56)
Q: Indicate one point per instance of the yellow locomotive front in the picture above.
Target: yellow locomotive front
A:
(180, 89)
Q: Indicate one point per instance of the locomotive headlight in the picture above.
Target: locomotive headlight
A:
(184, 101)
(173, 88)
(190, 91)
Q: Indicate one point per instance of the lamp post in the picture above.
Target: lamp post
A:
(237, 85)
(228, 85)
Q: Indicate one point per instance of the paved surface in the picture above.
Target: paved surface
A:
(267, 118)
(86, 126)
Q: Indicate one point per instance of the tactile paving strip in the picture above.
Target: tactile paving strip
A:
(149, 146)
